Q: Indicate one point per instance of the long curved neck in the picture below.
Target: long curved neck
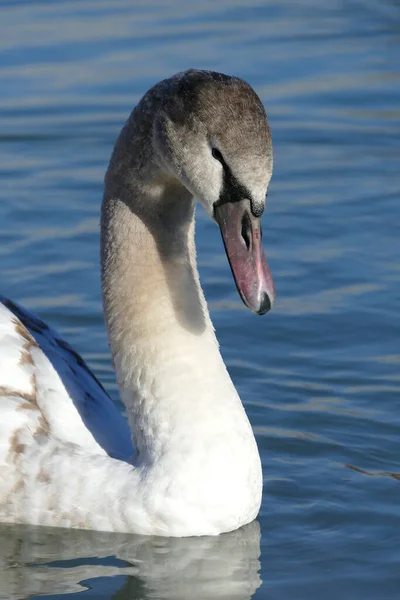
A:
(169, 368)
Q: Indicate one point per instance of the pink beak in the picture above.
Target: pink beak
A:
(241, 233)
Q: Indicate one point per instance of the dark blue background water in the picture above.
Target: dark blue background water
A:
(320, 375)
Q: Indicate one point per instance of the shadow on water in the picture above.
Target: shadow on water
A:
(37, 561)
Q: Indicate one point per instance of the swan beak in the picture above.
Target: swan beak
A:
(241, 233)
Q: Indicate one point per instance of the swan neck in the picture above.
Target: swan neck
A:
(162, 340)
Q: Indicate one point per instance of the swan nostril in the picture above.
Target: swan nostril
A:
(246, 231)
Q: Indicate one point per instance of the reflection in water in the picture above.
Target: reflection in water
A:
(39, 560)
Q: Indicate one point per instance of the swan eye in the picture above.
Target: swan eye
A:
(217, 155)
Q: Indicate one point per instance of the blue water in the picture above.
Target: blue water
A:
(319, 376)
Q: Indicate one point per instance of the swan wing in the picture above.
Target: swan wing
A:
(37, 365)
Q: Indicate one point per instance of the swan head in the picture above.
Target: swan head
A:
(211, 132)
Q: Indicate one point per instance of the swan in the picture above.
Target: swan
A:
(66, 453)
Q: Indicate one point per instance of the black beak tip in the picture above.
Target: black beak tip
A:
(265, 304)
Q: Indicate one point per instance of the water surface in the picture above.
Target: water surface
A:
(320, 375)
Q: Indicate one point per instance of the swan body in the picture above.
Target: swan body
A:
(66, 454)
